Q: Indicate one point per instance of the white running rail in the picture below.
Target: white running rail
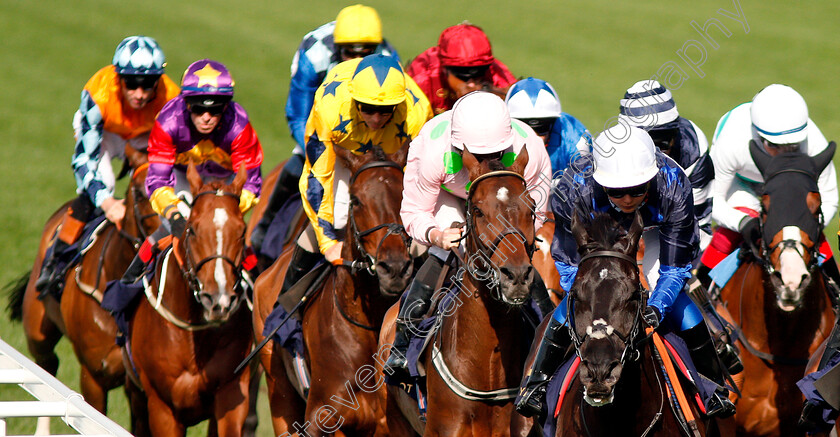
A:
(54, 398)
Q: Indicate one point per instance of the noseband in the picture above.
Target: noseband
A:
(368, 262)
(631, 351)
(189, 270)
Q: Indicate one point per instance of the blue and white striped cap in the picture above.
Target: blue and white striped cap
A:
(139, 55)
(647, 104)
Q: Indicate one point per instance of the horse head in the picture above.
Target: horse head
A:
(791, 219)
(500, 227)
(140, 219)
(376, 238)
(214, 245)
(606, 302)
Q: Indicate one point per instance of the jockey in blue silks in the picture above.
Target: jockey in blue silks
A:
(535, 102)
(625, 174)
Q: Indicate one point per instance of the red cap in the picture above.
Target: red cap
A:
(465, 45)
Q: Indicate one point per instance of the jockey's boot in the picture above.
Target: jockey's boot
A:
(829, 267)
(138, 264)
(286, 185)
(417, 301)
(705, 358)
(549, 355)
(418, 298)
(720, 329)
(540, 295)
(301, 263)
(49, 274)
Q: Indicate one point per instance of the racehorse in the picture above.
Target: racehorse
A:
(475, 359)
(619, 389)
(778, 297)
(340, 323)
(543, 261)
(90, 329)
(186, 338)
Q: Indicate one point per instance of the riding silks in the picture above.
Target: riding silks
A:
(819, 395)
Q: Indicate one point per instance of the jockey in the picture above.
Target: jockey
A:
(534, 102)
(435, 188)
(355, 33)
(777, 118)
(363, 103)
(461, 62)
(650, 106)
(203, 126)
(118, 108)
(629, 176)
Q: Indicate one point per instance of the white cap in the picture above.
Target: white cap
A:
(481, 122)
(647, 104)
(780, 115)
(533, 98)
(624, 157)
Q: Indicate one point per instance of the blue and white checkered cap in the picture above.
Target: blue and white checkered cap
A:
(139, 55)
(647, 104)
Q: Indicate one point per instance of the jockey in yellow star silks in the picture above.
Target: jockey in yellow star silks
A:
(363, 103)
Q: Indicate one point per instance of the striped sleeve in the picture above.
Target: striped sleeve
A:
(88, 124)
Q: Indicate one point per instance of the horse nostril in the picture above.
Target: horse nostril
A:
(383, 267)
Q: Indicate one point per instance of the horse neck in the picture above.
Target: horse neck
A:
(177, 296)
(358, 293)
(760, 318)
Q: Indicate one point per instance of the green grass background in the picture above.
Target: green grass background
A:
(591, 51)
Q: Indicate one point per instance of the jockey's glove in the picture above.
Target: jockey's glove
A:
(651, 316)
(247, 200)
(177, 224)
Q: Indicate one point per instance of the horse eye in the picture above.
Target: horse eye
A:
(477, 212)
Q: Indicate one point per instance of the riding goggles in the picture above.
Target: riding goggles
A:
(469, 73)
(134, 81)
(213, 110)
(376, 109)
(542, 126)
(351, 51)
(637, 191)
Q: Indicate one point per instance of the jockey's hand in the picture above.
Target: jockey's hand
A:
(651, 316)
(445, 239)
(114, 209)
(177, 224)
(333, 254)
(750, 229)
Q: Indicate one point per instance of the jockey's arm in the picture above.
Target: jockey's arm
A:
(564, 203)
(538, 178)
(421, 188)
(305, 81)
(160, 180)
(727, 161)
(316, 183)
(246, 150)
(89, 125)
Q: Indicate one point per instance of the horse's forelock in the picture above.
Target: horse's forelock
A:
(603, 232)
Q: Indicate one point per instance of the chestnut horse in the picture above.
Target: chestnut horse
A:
(187, 337)
(778, 297)
(620, 390)
(474, 361)
(90, 329)
(341, 321)
(544, 263)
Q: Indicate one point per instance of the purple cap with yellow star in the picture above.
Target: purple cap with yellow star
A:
(207, 78)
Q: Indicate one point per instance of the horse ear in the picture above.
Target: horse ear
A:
(759, 156)
(579, 231)
(629, 243)
(471, 164)
(822, 159)
(401, 155)
(194, 178)
(520, 162)
(239, 180)
(135, 157)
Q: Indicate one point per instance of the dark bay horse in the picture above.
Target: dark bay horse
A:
(193, 328)
(475, 360)
(78, 316)
(341, 322)
(619, 390)
(778, 297)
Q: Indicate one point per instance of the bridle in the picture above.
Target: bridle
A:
(631, 351)
(368, 261)
(480, 241)
(137, 196)
(189, 269)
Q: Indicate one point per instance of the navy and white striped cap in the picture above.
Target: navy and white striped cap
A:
(647, 104)
(139, 55)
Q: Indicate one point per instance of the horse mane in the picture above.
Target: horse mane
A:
(495, 165)
(603, 233)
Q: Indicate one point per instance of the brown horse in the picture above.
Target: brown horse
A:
(620, 390)
(341, 322)
(777, 296)
(78, 316)
(544, 263)
(187, 337)
(475, 360)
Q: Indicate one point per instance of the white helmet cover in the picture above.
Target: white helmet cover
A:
(624, 157)
(533, 98)
(481, 122)
(780, 115)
